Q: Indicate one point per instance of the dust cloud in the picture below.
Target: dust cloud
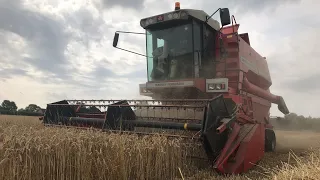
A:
(296, 132)
(297, 140)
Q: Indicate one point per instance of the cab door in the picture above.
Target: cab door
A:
(208, 34)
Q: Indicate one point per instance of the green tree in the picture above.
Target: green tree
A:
(32, 108)
(9, 106)
(21, 110)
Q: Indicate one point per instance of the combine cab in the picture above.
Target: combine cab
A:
(205, 81)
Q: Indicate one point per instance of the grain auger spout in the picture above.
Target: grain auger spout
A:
(253, 89)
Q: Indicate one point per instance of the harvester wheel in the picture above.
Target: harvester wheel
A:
(270, 140)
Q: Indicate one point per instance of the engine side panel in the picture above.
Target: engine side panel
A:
(260, 108)
(257, 72)
(254, 65)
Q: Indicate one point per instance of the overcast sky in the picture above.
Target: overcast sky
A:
(52, 50)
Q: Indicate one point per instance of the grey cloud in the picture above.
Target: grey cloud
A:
(101, 72)
(136, 74)
(298, 64)
(48, 43)
(305, 85)
(48, 40)
(246, 6)
(136, 4)
(54, 97)
(8, 73)
(93, 29)
(11, 2)
(106, 61)
(135, 39)
(260, 5)
(44, 34)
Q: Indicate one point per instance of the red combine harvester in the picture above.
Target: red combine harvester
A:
(203, 79)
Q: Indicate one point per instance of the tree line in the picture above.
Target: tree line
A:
(294, 121)
(8, 107)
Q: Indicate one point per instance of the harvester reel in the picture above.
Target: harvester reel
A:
(212, 123)
(167, 112)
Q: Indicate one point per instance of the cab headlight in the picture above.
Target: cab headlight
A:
(211, 86)
(218, 86)
(144, 90)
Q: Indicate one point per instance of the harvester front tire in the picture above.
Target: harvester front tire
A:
(270, 140)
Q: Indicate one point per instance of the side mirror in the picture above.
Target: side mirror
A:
(115, 39)
(225, 16)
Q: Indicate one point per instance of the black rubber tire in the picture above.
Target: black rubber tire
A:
(270, 140)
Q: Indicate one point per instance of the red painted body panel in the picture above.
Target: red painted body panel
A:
(228, 149)
(254, 65)
(230, 29)
(244, 148)
(253, 148)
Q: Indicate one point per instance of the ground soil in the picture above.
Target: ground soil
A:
(290, 145)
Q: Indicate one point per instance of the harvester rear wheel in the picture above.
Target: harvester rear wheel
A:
(270, 140)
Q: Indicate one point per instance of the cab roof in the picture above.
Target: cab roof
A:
(181, 14)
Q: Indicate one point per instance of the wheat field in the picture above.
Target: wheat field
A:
(30, 151)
